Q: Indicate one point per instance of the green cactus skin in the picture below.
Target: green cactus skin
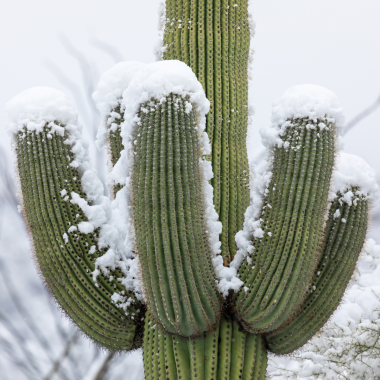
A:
(213, 37)
(343, 245)
(115, 145)
(284, 260)
(43, 165)
(177, 272)
(228, 353)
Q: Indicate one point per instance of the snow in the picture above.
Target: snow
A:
(33, 109)
(37, 106)
(158, 80)
(303, 101)
(159, 49)
(353, 171)
(109, 92)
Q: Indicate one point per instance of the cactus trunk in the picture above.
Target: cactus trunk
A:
(213, 38)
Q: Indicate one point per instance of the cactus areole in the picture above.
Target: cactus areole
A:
(200, 260)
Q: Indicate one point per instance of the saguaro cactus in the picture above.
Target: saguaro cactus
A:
(205, 277)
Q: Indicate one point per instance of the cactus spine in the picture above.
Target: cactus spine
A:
(296, 269)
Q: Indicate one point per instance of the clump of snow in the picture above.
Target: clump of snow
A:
(30, 112)
(34, 108)
(109, 92)
(159, 49)
(252, 31)
(303, 101)
(353, 171)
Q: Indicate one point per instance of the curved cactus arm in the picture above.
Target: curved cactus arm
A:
(163, 136)
(345, 236)
(228, 353)
(213, 38)
(288, 227)
(337, 264)
(69, 219)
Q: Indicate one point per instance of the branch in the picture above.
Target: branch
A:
(104, 368)
(107, 48)
(362, 115)
(57, 364)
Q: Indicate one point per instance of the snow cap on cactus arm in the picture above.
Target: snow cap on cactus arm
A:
(109, 91)
(159, 79)
(354, 172)
(41, 107)
(299, 102)
(37, 106)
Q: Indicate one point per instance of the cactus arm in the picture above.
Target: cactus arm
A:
(88, 305)
(48, 151)
(168, 183)
(285, 255)
(343, 244)
(172, 215)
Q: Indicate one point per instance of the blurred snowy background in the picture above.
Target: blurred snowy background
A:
(67, 45)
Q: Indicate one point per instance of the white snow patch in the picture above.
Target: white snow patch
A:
(72, 229)
(109, 91)
(38, 106)
(159, 49)
(353, 171)
(303, 101)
